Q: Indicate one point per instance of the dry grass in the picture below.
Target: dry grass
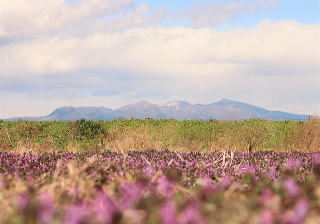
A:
(304, 136)
(308, 136)
(130, 140)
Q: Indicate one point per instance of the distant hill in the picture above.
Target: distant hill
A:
(181, 110)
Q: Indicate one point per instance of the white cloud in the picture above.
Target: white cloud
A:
(283, 48)
(21, 18)
(72, 53)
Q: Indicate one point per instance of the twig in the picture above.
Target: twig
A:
(183, 190)
(179, 156)
(156, 176)
(9, 137)
(147, 161)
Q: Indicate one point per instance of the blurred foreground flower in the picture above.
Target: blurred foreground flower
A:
(291, 186)
(168, 213)
(266, 217)
(46, 209)
(297, 214)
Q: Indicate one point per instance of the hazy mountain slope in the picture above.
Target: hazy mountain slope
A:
(76, 113)
(180, 110)
(142, 110)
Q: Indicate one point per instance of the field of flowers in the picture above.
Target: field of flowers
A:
(160, 187)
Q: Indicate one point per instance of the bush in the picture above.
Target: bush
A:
(88, 129)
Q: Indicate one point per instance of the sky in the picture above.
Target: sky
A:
(110, 53)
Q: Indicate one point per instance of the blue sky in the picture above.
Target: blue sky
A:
(114, 52)
(306, 12)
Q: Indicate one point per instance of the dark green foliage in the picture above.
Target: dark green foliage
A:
(88, 129)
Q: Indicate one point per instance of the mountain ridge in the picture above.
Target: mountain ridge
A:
(224, 109)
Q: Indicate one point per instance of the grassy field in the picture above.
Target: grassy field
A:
(194, 135)
(199, 172)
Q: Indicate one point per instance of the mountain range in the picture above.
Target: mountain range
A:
(181, 110)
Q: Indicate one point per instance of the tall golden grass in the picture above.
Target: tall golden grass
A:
(308, 135)
(304, 137)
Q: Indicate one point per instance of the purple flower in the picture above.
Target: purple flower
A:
(316, 159)
(46, 210)
(104, 207)
(300, 210)
(131, 193)
(272, 173)
(297, 214)
(291, 186)
(191, 214)
(246, 168)
(168, 213)
(149, 171)
(22, 202)
(226, 182)
(207, 186)
(206, 182)
(165, 186)
(75, 214)
(292, 163)
(267, 197)
(2, 183)
(266, 217)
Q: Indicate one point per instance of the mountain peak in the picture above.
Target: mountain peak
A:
(140, 105)
(143, 102)
(63, 109)
(231, 102)
(176, 103)
(181, 110)
(227, 101)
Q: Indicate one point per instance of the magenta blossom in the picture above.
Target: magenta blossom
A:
(272, 173)
(75, 214)
(168, 213)
(292, 163)
(46, 210)
(246, 168)
(266, 217)
(131, 193)
(267, 197)
(191, 214)
(297, 214)
(105, 208)
(2, 183)
(226, 182)
(165, 186)
(23, 202)
(291, 186)
(316, 159)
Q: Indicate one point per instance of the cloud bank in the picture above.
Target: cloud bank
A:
(96, 52)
